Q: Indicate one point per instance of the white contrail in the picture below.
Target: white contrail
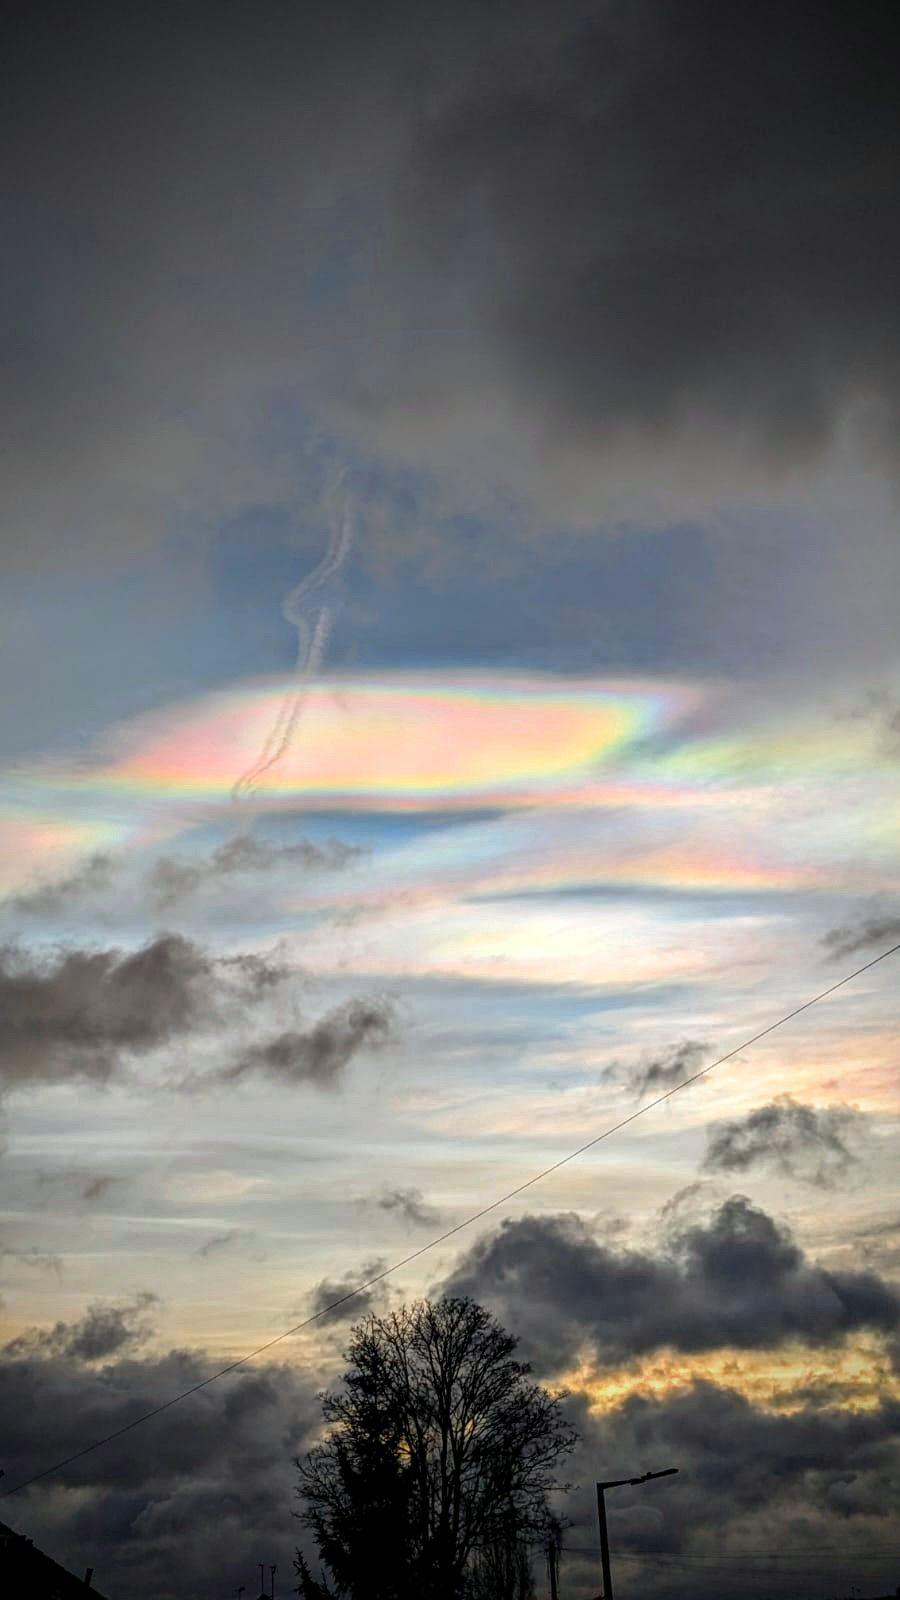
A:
(312, 619)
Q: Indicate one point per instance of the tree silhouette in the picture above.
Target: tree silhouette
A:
(433, 1478)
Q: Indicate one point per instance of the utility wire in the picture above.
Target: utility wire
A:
(414, 1255)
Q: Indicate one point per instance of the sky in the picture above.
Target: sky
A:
(452, 695)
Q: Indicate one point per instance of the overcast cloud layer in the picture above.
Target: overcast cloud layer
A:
(653, 236)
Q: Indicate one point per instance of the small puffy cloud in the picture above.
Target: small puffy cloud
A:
(217, 1242)
(872, 932)
(665, 1071)
(333, 1299)
(810, 1143)
(320, 1053)
(410, 1205)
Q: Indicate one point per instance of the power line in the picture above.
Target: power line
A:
(476, 1216)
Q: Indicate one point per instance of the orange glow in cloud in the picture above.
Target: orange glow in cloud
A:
(856, 1376)
(402, 742)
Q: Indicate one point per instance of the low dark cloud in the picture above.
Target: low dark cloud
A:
(77, 1013)
(320, 1053)
(818, 1483)
(873, 932)
(186, 1505)
(189, 1503)
(662, 1072)
(410, 1205)
(814, 1144)
(105, 1330)
(330, 1290)
(736, 1280)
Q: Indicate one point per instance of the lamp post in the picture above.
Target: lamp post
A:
(617, 1483)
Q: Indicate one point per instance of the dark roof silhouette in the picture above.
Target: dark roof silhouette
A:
(27, 1574)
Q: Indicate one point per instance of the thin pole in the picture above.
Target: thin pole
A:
(552, 1558)
(604, 1543)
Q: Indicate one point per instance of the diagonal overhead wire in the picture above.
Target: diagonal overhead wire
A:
(449, 1233)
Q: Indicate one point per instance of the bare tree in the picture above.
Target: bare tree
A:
(440, 1455)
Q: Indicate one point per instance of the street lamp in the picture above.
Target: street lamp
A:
(617, 1483)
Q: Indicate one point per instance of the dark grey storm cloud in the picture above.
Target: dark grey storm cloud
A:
(662, 1072)
(320, 1053)
(737, 1280)
(105, 1330)
(410, 1205)
(814, 1144)
(189, 1504)
(873, 932)
(677, 222)
(817, 1483)
(77, 1013)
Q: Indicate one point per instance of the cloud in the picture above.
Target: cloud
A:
(817, 1484)
(410, 1205)
(104, 1330)
(30, 1256)
(809, 1143)
(737, 1280)
(187, 1504)
(218, 1467)
(319, 1054)
(218, 1241)
(92, 877)
(569, 228)
(665, 1071)
(170, 880)
(328, 1290)
(97, 1187)
(876, 931)
(77, 1013)
(88, 1186)
(173, 879)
